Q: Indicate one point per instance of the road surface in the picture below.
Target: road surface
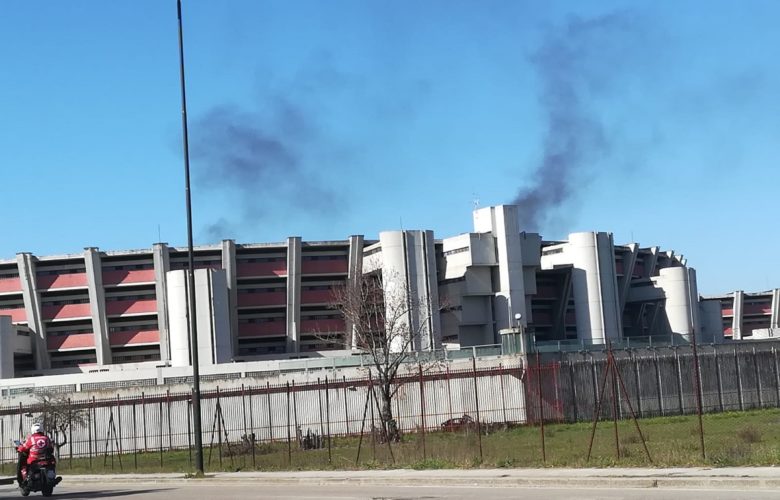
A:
(204, 491)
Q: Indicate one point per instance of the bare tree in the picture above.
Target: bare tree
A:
(386, 322)
(58, 415)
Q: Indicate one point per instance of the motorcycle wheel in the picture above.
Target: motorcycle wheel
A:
(25, 492)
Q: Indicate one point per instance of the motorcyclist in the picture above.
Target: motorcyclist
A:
(36, 447)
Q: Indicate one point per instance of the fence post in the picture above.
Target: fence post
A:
(270, 426)
(593, 378)
(135, 440)
(719, 380)
(758, 379)
(346, 407)
(503, 396)
(319, 406)
(189, 428)
(244, 439)
(89, 435)
(160, 415)
(143, 420)
(449, 389)
(70, 434)
(611, 362)
(168, 410)
(252, 428)
(422, 410)
(739, 380)
(678, 372)
(94, 426)
(573, 386)
(777, 374)
(638, 384)
(289, 442)
(119, 417)
(476, 400)
(327, 417)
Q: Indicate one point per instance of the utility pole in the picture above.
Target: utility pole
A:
(192, 324)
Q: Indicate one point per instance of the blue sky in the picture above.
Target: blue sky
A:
(657, 121)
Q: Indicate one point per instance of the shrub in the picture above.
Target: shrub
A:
(749, 434)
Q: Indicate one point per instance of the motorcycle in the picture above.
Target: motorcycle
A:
(41, 475)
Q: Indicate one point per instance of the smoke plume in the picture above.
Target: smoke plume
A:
(259, 159)
(574, 63)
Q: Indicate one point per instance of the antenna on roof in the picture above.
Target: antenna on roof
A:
(475, 200)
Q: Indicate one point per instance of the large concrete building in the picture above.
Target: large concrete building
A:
(257, 301)
(741, 316)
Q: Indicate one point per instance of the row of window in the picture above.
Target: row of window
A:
(129, 267)
(118, 298)
(260, 320)
(53, 272)
(132, 328)
(456, 251)
(65, 302)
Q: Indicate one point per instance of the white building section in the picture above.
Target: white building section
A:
(259, 301)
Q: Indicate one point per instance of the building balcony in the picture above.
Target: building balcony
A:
(134, 337)
(66, 311)
(262, 299)
(322, 325)
(325, 266)
(258, 269)
(10, 285)
(126, 277)
(17, 315)
(54, 281)
(72, 341)
(264, 329)
(317, 296)
(122, 307)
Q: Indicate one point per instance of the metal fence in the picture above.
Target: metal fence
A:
(661, 381)
(119, 428)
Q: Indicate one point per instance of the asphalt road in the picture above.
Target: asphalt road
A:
(203, 491)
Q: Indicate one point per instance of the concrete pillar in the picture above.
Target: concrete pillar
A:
(229, 265)
(97, 305)
(594, 284)
(293, 293)
(411, 288)
(32, 307)
(736, 325)
(675, 282)
(354, 272)
(7, 347)
(629, 261)
(502, 221)
(162, 265)
(178, 335)
(774, 321)
(211, 295)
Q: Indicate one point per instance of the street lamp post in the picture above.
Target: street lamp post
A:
(192, 324)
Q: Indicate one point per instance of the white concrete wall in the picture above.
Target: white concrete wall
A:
(502, 222)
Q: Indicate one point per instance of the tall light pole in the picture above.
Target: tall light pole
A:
(192, 323)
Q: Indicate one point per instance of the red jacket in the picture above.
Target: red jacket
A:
(35, 445)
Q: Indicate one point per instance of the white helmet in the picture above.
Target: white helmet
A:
(36, 429)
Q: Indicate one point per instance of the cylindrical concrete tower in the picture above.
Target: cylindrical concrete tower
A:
(676, 286)
(594, 285)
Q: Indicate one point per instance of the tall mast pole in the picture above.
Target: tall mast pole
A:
(192, 323)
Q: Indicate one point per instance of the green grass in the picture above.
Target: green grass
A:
(731, 439)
